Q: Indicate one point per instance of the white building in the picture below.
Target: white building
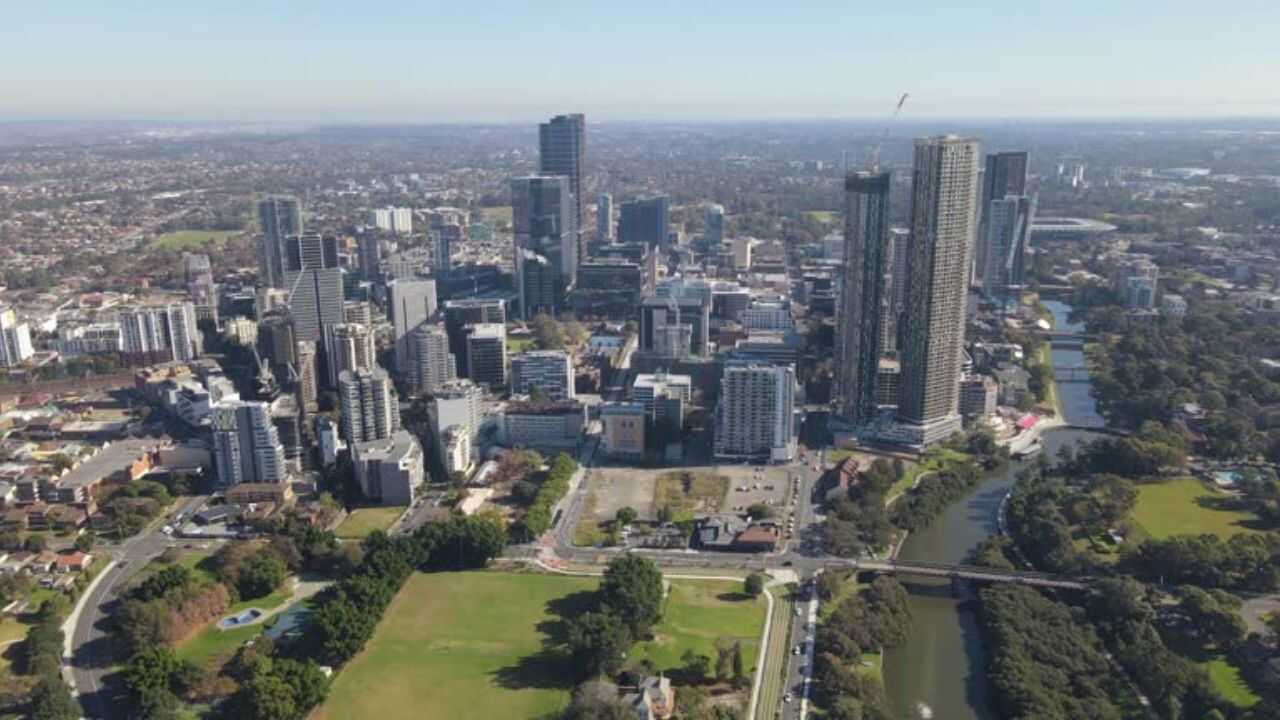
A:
(398, 220)
(742, 253)
(167, 330)
(15, 339)
(623, 434)
(105, 338)
(649, 388)
(764, 315)
(350, 347)
(557, 426)
(548, 371)
(755, 418)
(457, 456)
(390, 470)
(368, 403)
(430, 362)
(246, 446)
(456, 402)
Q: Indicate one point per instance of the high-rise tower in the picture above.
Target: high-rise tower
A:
(944, 192)
(280, 217)
(863, 298)
(546, 241)
(562, 150)
(1005, 174)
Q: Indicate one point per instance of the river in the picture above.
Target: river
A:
(939, 671)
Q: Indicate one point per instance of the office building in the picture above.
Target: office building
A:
(1005, 174)
(460, 314)
(562, 150)
(160, 332)
(314, 283)
(430, 362)
(676, 326)
(742, 253)
(623, 426)
(944, 189)
(863, 302)
(898, 251)
(349, 346)
(1008, 225)
(287, 419)
(390, 470)
(246, 445)
(543, 425)
(650, 389)
(309, 251)
(714, 232)
(279, 217)
(276, 344)
(546, 241)
(645, 221)
(604, 219)
(546, 373)
(369, 253)
(369, 409)
(359, 312)
(755, 418)
(608, 288)
(15, 339)
(398, 220)
(487, 354)
(410, 303)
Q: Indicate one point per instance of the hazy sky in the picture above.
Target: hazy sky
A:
(494, 60)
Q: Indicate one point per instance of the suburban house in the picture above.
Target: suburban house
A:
(654, 699)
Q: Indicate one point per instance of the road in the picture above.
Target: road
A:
(91, 658)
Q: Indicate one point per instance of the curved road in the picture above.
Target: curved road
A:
(91, 658)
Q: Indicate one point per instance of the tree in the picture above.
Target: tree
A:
(547, 332)
(760, 511)
(597, 700)
(753, 585)
(739, 670)
(261, 575)
(632, 588)
(696, 665)
(51, 700)
(268, 697)
(597, 642)
(36, 542)
(625, 515)
(84, 542)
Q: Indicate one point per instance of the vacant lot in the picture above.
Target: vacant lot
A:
(460, 645)
(688, 493)
(363, 521)
(190, 239)
(1185, 506)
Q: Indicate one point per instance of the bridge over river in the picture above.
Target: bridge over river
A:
(971, 572)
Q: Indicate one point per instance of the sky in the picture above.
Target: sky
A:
(378, 61)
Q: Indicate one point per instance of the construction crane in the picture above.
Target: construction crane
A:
(875, 152)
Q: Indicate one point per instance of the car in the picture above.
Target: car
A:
(787, 698)
(798, 611)
(795, 650)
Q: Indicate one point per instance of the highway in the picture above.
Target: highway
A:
(91, 657)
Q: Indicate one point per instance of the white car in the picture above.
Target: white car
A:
(786, 698)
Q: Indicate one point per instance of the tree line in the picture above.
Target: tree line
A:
(874, 618)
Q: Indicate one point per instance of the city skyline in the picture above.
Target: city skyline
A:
(1087, 60)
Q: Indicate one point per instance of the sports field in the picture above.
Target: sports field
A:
(1186, 507)
(190, 239)
(482, 644)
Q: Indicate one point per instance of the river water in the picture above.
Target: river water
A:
(939, 671)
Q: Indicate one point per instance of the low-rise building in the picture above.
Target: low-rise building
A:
(978, 396)
(623, 430)
(391, 470)
(542, 425)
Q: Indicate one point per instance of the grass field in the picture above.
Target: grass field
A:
(455, 645)
(690, 493)
(516, 346)
(475, 644)
(363, 521)
(189, 239)
(212, 646)
(698, 613)
(1185, 506)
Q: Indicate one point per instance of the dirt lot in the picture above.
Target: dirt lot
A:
(615, 488)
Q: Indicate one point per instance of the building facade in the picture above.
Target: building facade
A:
(368, 405)
(548, 372)
(546, 241)
(863, 299)
(487, 354)
(246, 445)
(755, 418)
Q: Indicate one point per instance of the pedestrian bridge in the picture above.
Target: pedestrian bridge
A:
(971, 572)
